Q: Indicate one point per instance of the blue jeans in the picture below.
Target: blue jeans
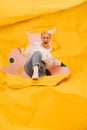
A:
(35, 60)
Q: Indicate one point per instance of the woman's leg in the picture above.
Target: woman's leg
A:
(35, 67)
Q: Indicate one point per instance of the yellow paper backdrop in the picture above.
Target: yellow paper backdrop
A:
(63, 107)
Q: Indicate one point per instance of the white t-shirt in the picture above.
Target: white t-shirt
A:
(46, 55)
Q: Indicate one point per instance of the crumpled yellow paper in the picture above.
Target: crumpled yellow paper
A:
(63, 107)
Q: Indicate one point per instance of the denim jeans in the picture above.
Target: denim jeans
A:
(35, 59)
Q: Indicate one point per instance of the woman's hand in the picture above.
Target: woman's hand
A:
(21, 50)
(57, 63)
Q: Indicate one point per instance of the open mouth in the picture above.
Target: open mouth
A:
(45, 42)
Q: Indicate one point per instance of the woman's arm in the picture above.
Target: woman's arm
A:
(26, 52)
(53, 60)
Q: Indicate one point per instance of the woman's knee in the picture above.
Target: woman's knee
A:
(38, 53)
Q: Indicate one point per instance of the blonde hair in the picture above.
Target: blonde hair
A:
(45, 33)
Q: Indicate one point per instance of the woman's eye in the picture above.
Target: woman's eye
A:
(45, 37)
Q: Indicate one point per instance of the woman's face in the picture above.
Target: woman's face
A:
(45, 37)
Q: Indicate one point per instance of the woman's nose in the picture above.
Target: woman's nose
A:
(45, 40)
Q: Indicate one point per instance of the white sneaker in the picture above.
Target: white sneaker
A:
(35, 73)
(35, 77)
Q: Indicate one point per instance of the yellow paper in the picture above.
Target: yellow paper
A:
(49, 107)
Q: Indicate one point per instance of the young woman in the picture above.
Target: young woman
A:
(40, 57)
